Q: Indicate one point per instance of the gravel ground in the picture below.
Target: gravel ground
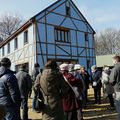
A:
(91, 112)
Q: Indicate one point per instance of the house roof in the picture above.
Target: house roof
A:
(31, 20)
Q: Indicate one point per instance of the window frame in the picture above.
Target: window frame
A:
(8, 48)
(26, 37)
(16, 43)
(62, 35)
(3, 51)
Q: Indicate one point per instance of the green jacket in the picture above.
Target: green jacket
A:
(54, 87)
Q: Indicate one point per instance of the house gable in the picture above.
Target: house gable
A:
(57, 13)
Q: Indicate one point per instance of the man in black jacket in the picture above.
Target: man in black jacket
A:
(96, 83)
(115, 81)
(25, 85)
(9, 91)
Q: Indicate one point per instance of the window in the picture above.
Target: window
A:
(3, 52)
(62, 35)
(86, 40)
(8, 48)
(16, 43)
(25, 37)
(86, 37)
(67, 9)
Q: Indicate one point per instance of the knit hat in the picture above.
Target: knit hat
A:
(77, 67)
(94, 67)
(71, 67)
(64, 66)
(36, 65)
(5, 62)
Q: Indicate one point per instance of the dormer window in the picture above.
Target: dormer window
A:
(67, 9)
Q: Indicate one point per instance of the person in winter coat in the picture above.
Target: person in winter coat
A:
(9, 91)
(85, 76)
(81, 90)
(96, 83)
(25, 85)
(53, 88)
(34, 74)
(115, 81)
(107, 87)
(70, 102)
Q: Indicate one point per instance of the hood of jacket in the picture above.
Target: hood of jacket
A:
(4, 71)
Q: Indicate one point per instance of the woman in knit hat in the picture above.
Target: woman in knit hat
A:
(70, 102)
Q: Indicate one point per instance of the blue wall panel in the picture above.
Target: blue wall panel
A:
(50, 34)
(68, 24)
(40, 15)
(73, 37)
(54, 19)
(40, 61)
(42, 34)
(56, 5)
(74, 51)
(61, 10)
(90, 40)
(91, 52)
(62, 52)
(51, 49)
(43, 48)
(42, 20)
(82, 51)
(80, 25)
(74, 14)
(82, 61)
(81, 39)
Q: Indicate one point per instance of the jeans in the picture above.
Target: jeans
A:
(12, 113)
(97, 95)
(34, 102)
(24, 105)
(111, 100)
(117, 103)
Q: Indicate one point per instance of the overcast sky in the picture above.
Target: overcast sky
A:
(101, 14)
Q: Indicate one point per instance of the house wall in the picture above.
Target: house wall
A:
(25, 52)
(76, 49)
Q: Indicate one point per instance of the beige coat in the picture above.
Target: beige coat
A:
(54, 87)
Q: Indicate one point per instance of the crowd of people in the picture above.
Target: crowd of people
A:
(59, 92)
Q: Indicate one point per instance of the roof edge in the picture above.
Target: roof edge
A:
(19, 30)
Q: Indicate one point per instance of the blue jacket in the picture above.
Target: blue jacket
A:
(9, 90)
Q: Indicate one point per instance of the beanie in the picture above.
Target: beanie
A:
(5, 62)
(77, 67)
(36, 65)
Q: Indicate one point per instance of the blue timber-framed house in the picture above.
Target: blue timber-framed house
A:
(58, 32)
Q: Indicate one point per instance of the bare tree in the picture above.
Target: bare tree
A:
(8, 24)
(108, 42)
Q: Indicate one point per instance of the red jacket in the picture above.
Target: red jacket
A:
(69, 102)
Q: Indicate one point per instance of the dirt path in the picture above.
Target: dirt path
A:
(92, 112)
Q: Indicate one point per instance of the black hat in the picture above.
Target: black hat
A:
(23, 66)
(36, 65)
(5, 62)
